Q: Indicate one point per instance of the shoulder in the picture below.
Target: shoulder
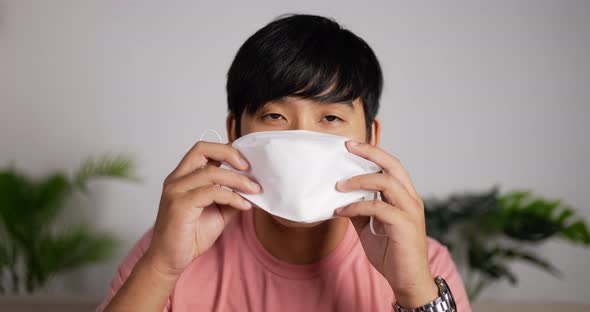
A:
(440, 259)
(139, 248)
(438, 253)
(441, 263)
(126, 266)
(132, 257)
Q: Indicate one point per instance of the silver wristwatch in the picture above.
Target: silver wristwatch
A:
(444, 303)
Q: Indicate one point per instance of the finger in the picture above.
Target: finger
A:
(213, 194)
(215, 163)
(203, 152)
(391, 188)
(388, 162)
(214, 175)
(376, 208)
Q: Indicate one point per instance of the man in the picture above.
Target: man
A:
(211, 250)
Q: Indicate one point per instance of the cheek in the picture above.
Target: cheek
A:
(355, 129)
(361, 132)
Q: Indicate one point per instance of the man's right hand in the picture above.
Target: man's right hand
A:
(194, 208)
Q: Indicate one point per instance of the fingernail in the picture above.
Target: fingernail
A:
(341, 183)
(254, 186)
(338, 210)
(353, 143)
(246, 204)
(243, 162)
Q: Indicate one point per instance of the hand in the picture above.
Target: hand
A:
(194, 209)
(402, 256)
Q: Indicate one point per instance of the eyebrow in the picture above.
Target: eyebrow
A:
(347, 103)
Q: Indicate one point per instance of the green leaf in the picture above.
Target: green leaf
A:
(529, 257)
(49, 198)
(564, 216)
(71, 249)
(499, 271)
(577, 232)
(512, 200)
(535, 219)
(443, 215)
(17, 206)
(112, 166)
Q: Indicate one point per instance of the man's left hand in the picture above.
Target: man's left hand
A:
(402, 255)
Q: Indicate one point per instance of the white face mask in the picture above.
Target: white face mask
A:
(298, 171)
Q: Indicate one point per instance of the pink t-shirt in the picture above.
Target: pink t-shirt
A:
(238, 274)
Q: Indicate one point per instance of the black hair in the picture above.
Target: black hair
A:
(308, 56)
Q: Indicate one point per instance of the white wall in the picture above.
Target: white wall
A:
(475, 94)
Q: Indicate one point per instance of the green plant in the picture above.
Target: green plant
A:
(487, 231)
(32, 247)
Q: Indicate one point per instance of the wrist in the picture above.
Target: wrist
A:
(417, 294)
(152, 267)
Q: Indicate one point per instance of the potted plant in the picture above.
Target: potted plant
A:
(32, 248)
(487, 231)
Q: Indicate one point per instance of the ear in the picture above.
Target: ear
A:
(375, 132)
(230, 124)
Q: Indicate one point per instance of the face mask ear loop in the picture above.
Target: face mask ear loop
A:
(372, 220)
(219, 139)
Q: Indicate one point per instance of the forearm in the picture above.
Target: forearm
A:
(146, 289)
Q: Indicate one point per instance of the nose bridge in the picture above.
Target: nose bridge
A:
(302, 120)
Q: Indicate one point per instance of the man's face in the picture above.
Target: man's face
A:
(294, 113)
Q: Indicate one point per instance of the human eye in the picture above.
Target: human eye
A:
(331, 118)
(273, 116)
